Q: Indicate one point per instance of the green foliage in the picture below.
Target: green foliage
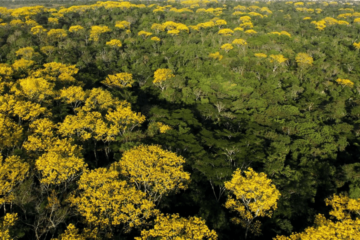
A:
(296, 121)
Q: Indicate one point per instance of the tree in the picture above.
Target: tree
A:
(72, 233)
(154, 171)
(226, 32)
(75, 29)
(175, 227)
(277, 60)
(96, 31)
(216, 56)
(119, 80)
(155, 39)
(105, 201)
(7, 223)
(56, 34)
(341, 225)
(304, 60)
(22, 64)
(255, 196)
(59, 168)
(122, 24)
(73, 95)
(345, 82)
(144, 34)
(115, 43)
(27, 53)
(13, 171)
(34, 89)
(161, 76)
(10, 132)
(227, 47)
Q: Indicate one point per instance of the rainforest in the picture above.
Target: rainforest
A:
(179, 119)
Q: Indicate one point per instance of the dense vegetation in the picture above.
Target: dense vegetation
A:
(191, 119)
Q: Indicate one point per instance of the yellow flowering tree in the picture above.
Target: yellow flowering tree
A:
(13, 171)
(122, 24)
(72, 233)
(357, 45)
(34, 89)
(48, 50)
(59, 167)
(8, 221)
(344, 222)
(252, 195)
(157, 27)
(175, 227)
(153, 170)
(38, 30)
(56, 34)
(278, 60)
(10, 132)
(96, 31)
(239, 42)
(216, 56)
(53, 21)
(260, 55)
(163, 128)
(120, 80)
(22, 64)
(226, 32)
(304, 60)
(26, 53)
(144, 34)
(114, 43)
(73, 95)
(161, 76)
(227, 47)
(75, 29)
(105, 201)
(345, 82)
(155, 39)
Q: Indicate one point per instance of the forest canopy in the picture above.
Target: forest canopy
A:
(180, 119)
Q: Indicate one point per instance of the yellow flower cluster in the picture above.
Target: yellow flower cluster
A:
(115, 43)
(155, 39)
(122, 24)
(216, 56)
(341, 226)
(175, 227)
(144, 34)
(96, 31)
(285, 33)
(239, 42)
(278, 59)
(76, 28)
(260, 55)
(252, 195)
(105, 201)
(357, 45)
(227, 47)
(304, 59)
(9, 221)
(120, 80)
(161, 75)
(345, 82)
(13, 170)
(226, 32)
(163, 128)
(57, 34)
(153, 170)
(250, 31)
